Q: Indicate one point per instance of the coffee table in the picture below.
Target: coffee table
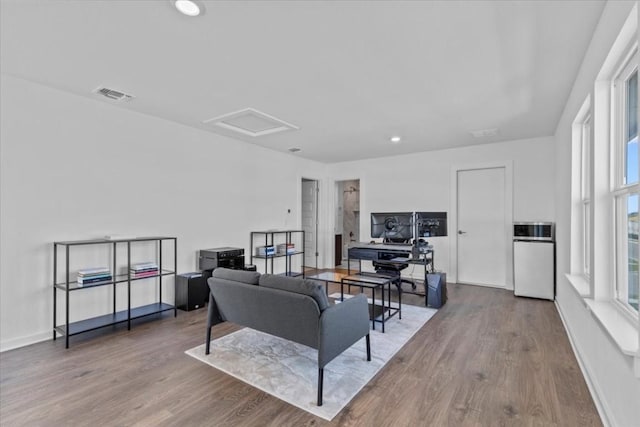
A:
(327, 277)
(374, 282)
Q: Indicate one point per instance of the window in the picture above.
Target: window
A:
(585, 190)
(581, 198)
(605, 194)
(625, 188)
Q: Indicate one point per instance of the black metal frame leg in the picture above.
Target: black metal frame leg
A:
(368, 348)
(373, 309)
(382, 298)
(320, 379)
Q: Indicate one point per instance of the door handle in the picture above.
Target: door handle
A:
(462, 232)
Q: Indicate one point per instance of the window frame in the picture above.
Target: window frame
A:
(585, 191)
(620, 190)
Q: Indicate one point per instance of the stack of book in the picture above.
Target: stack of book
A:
(87, 276)
(144, 269)
(286, 248)
(265, 251)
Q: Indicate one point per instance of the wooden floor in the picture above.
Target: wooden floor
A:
(485, 359)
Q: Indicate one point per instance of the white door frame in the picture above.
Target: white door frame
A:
(339, 194)
(508, 216)
(329, 234)
(318, 263)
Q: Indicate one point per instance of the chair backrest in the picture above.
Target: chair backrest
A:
(396, 241)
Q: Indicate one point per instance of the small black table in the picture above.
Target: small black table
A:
(374, 282)
(326, 277)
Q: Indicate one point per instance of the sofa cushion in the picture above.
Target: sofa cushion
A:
(248, 277)
(297, 285)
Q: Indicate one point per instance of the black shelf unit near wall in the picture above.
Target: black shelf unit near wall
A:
(273, 238)
(70, 285)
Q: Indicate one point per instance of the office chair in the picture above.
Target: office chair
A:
(393, 269)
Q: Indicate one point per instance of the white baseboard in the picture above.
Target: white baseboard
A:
(594, 389)
(24, 341)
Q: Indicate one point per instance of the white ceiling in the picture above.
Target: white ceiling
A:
(349, 74)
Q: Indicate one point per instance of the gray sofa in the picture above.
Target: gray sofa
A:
(290, 308)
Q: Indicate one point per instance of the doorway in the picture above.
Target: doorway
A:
(482, 224)
(347, 220)
(309, 220)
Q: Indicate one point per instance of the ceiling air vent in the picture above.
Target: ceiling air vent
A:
(250, 122)
(113, 94)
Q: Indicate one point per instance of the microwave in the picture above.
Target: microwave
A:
(544, 231)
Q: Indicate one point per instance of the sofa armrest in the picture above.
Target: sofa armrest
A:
(341, 326)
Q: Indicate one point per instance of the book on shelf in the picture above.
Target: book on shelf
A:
(149, 274)
(265, 251)
(285, 248)
(145, 270)
(93, 271)
(96, 279)
(144, 266)
(102, 276)
(145, 273)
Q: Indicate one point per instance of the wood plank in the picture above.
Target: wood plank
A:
(486, 358)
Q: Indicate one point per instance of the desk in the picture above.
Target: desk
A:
(400, 254)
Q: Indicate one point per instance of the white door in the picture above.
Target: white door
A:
(309, 212)
(481, 234)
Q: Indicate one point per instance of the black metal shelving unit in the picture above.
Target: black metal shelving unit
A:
(271, 238)
(68, 286)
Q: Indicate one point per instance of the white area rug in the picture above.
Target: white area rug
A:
(289, 371)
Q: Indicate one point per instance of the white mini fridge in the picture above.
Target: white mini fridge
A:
(534, 269)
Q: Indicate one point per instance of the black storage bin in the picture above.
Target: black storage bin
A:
(435, 290)
(192, 291)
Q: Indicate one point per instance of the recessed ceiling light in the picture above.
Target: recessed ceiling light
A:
(187, 7)
(395, 139)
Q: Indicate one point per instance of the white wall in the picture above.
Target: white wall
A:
(421, 182)
(75, 168)
(608, 371)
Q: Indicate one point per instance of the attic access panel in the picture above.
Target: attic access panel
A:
(251, 122)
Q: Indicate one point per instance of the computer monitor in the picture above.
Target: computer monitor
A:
(431, 224)
(396, 227)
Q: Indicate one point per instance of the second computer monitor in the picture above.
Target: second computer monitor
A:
(431, 224)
